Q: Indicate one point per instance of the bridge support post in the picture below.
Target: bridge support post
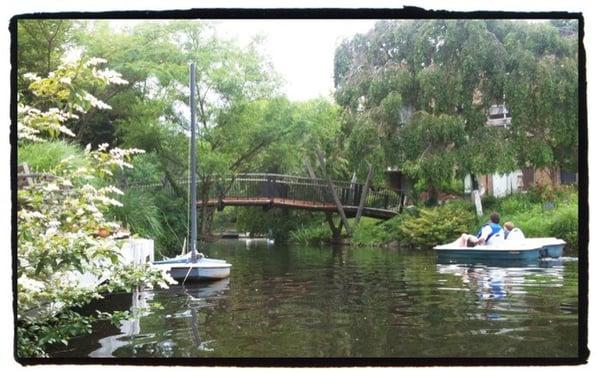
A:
(338, 204)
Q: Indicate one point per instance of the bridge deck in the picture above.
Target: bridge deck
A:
(297, 204)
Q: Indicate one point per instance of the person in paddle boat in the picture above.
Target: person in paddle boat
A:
(489, 234)
(511, 232)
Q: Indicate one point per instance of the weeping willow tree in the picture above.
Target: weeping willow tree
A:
(424, 88)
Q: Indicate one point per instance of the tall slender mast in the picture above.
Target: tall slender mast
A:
(193, 213)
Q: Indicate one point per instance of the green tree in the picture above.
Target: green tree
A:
(41, 44)
(542, 90)
(458, 68)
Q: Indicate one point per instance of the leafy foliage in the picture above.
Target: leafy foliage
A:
(434, 226)
(311, 233)
(41, 45)
(371, 232)
(420, 90)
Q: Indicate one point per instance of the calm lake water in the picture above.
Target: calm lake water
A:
(296, 301)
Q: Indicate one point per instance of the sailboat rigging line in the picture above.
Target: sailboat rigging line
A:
(188, 273)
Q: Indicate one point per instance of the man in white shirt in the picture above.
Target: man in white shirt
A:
(486, 233)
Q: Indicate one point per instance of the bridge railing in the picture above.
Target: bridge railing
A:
(308, 190)
(305, 189)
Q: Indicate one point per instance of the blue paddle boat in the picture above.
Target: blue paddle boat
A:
(551, 247)
(514, 252)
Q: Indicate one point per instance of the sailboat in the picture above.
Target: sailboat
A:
(193, 266)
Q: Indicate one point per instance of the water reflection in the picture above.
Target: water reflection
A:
(128, 328)
(202, 295)
(503, 289)
(494, 282)
(198, 296)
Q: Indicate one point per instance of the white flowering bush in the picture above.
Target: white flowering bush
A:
(62, 229)
(64, 96)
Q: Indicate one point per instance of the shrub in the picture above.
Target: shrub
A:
(435, 226)
(60, 221)
(311, 234)
(515, 203)
(565, 226)
(372, 232)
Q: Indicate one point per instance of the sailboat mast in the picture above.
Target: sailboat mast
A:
(192, 189)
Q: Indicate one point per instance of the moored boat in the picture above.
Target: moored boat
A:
(193, 266)
(182, 268)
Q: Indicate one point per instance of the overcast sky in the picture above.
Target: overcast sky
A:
(301, 50)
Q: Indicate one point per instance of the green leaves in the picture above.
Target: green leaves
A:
(428, 147)
(435, 226)
(459, 68)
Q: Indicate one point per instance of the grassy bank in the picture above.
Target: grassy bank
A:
(423, 227)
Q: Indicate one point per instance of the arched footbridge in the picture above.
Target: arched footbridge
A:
(295, 192)
(277, 190)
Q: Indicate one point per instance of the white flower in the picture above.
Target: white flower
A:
(95, 61)
(65, 80)
(28, 215)
(66, 130)
(109, 76)
(26, 132)
(51, 187)
(109, 189)
(32, 77)
(29, 284)
(95, 102)
(51, 231)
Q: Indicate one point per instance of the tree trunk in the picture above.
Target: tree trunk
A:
(433, 195)
(363, 196)
(338, 204)
(475, 197)
(335, 231)
(203, 219)
(210, 214)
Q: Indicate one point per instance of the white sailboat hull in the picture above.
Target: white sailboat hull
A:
(203, 269)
